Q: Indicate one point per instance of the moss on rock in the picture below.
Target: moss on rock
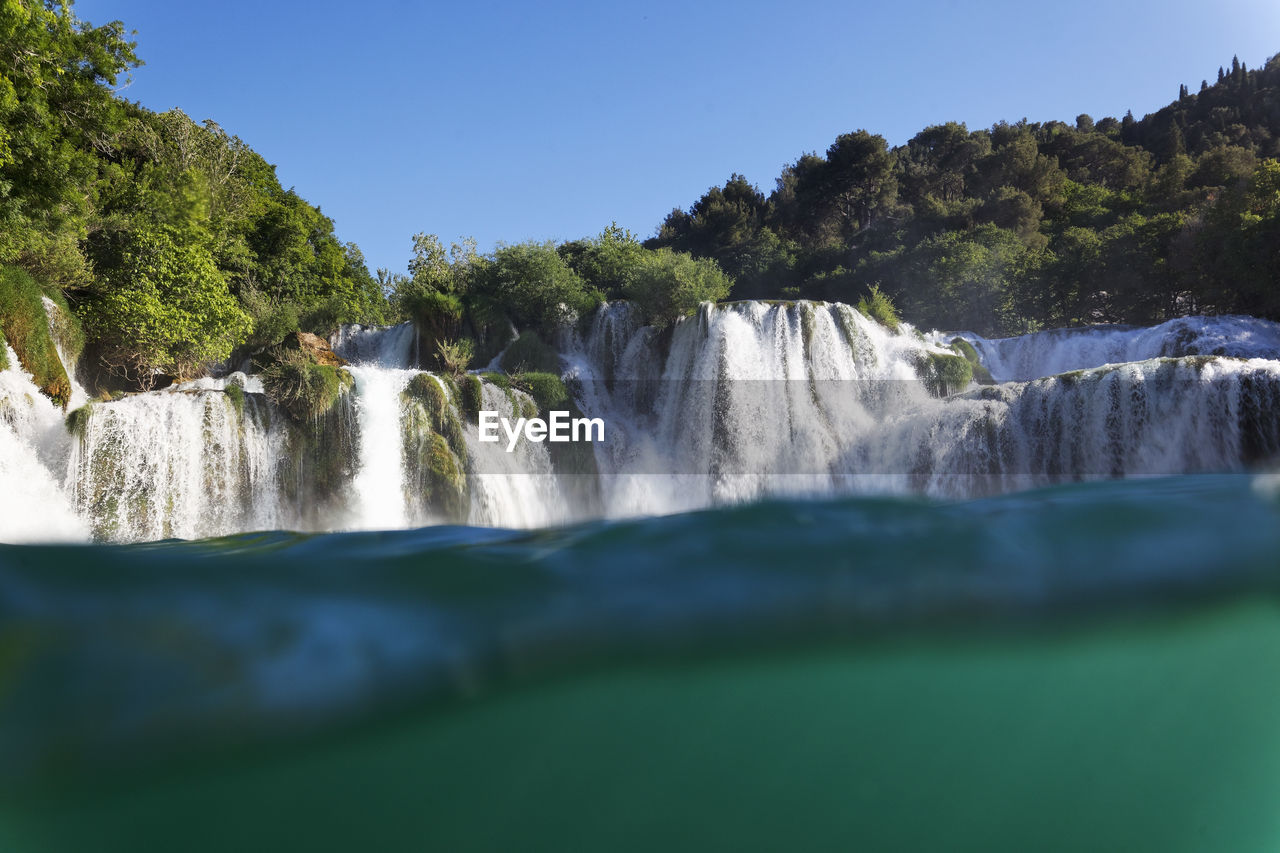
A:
(25, 324)
(235, 393)
(302, 389)
(77, 420)
(547, 390)
(425, 401)
(470, 396)
(965, 349)
(944, 374)
(434, 450)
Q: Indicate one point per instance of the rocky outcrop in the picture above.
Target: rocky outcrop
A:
(316, 348)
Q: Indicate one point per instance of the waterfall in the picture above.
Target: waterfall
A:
(379, 488)
(378, 346)
(185, 462)
(34, 447)
(737, 402)
(1062, 350)
(517, 489)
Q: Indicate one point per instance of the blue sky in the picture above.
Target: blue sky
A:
(510, 121)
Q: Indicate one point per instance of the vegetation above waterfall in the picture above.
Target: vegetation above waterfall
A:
(172, 240)
(537, 287)
(1023, 225)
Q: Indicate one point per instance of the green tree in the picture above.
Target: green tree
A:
(165, 309)
(670, 285)
(56, 112)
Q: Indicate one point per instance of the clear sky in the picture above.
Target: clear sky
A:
(510, 121)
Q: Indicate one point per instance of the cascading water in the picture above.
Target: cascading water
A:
(739, 401)
(185, 462)
(33, 450)
(379, 487)
(1061, 350)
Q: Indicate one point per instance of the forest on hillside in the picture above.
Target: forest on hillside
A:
(1024, 225)
(171, 246)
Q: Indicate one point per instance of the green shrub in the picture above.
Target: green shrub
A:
(528, 352)
(271, 319)
(164, 307)
(944, 374)
(981, 374)
(26, 327)
(534, 286)
(4, 352)
(455, 356)
(438, 314)
(546, 389)
(877, 306)
(670, 285)
(302, 389)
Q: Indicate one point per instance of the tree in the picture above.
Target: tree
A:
(165, 309)
(856, 181)
(534, 286)
(57, 113)
(670, 285)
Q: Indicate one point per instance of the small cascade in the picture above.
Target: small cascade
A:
(185, 462)
(516, 489)
(57, 330)
(34, 447)
(378, 495)
(377, 346)
(1062, 350)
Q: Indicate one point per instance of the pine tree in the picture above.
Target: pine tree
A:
(1129, 129)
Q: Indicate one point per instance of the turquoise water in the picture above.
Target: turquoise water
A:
(1085, 667)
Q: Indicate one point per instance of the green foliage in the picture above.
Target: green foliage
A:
(164, 308)
(529, 352)
(535, 287)
(944, 374)
(270, 319)
(879, 307)
(547, 390)
(607, 262)
(981, 374)
(26, 327)
(454, 356)
(77, 420)
(4, 352)
(470, 396)
(57, 111)
(302, 389)
(92, 187)
(1021, 225)
(235, 393)
(670, 285)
